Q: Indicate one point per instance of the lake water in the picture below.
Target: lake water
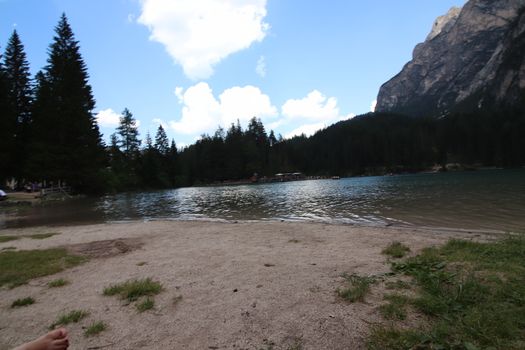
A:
(486, 200)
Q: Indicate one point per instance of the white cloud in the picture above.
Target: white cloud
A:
(308, 130)
(198, 34)
(320, 111)
(108, 118)
(315, 106)
(158, 121)
(203, 113)
(260, 69)
(131, 18)
(373, 106)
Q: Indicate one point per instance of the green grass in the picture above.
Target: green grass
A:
(4, 239)
(396, 250)
(8, 248)
(70, 317)
(42, 235)
(145, 305)
(399, 284)
(18, 267)
(60, 282)
(395, 309)
(134, 289)
(23, 302)
(356, 289)
(473, 294)
(95, 328)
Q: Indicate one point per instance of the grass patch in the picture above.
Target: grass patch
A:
(134, 289)
(70, 317)
(18, 267)
(396, 250)
(42, 235)
(60, 282)
(23, 302)
(145, 305)
(397, 285)
(4, 239)
(357, 288)
(473, 293)
(95, 328)
(395, 309)
(141, 263)
(8, 248)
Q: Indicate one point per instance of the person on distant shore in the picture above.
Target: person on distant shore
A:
(54, 340)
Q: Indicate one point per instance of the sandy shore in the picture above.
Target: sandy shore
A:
(243, 285)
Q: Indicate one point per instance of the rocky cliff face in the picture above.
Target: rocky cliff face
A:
(474, 57)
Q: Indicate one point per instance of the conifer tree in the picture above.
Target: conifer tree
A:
(19, 95)
(67, 141)
(161, 141)
(129, 134)
(6, 127)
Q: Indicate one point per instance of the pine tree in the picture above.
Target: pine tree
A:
(129, 133)
(6, 127)
(161, 141)
(67, 141)
(19, 95)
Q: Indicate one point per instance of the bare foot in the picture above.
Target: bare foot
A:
(54, 340)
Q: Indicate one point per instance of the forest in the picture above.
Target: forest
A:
(49, 135)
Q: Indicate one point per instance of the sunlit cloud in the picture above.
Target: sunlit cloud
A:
(198, 34)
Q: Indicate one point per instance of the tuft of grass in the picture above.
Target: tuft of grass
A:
(60, 282)
(95, 328)
(8, 248)
(141, 263)
(294, 240)
(134, 289)
(145, 305)
(358, 287)
(473, 293)
(23, 302)
(396, 250)
(70, 317)
(4, 239)
(42, 235)
(399, 284)
(395, 309)
(18, 267)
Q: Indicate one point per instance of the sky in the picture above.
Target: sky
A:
(194, 65)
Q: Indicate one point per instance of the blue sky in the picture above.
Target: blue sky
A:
(195, 64)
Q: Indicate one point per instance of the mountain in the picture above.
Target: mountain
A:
(473, 58)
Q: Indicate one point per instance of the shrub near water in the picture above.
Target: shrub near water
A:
(474, 294)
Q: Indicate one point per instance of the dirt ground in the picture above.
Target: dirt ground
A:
(246, 285)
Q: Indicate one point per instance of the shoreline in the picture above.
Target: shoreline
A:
(242, 285)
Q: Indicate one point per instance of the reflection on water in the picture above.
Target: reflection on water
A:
(477, 200)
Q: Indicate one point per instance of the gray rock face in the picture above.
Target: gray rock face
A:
(473, 57)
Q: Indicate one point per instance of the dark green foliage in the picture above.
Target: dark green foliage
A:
(23, 302)
(66, 142)
(18, 267)
(395, 308)
(15, 83)
(474, 294)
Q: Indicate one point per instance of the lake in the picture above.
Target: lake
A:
(485, 200)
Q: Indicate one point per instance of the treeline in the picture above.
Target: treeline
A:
(375, 143)
(48, 134)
